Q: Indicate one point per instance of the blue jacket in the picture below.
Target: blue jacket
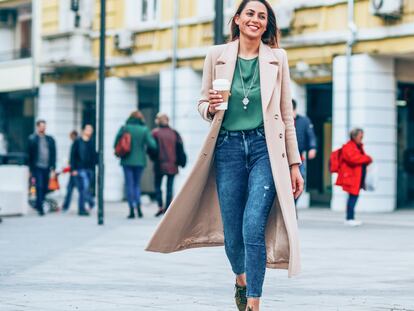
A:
(305, 134)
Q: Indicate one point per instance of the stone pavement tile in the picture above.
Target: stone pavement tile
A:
(106, 268)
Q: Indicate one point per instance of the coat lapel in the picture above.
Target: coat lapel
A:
(226, 62)
(269, 66)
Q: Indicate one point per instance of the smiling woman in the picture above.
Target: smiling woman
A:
(250, 153)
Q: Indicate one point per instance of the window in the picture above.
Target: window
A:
(149, 10)
(229, 5)
(206, 7)
(67, 15)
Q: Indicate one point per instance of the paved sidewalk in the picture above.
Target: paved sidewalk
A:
(63, 262)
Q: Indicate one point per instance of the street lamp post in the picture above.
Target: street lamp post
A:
(349, 46)
(218, 22)
(101, 94)
(174, 62)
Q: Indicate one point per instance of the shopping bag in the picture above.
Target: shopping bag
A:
(371, 178)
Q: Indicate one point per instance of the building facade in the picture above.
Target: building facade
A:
(139, 43)
(19, 75)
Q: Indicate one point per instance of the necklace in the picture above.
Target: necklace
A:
(246, 100)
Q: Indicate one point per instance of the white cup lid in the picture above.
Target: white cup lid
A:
(221, 85)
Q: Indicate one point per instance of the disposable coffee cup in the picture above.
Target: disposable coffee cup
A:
(222, 86)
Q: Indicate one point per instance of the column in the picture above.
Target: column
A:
(56, 105)
(373, 109)
(120, 100)
(189, 123)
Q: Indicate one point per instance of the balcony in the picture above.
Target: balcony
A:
(67, 50)
(6, 56)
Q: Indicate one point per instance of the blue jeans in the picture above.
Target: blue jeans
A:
(246, 194)
(133, 175)
(350, 206)
(69, 190)
(84, 179)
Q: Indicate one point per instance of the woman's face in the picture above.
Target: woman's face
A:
(252, 21)
(358, 138)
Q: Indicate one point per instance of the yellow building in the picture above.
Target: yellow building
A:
(139, 44)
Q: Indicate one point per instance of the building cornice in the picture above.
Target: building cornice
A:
(339, 37)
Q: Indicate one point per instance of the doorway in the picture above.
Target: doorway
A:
(148, 104)
(405, 145)
(16, 121)
(319, 110)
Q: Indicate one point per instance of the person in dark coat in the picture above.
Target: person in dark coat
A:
(352, 171)
(166, 161)
(42, 162)
(135, 161)
(306, 138)
(72, 179)
(83, 160)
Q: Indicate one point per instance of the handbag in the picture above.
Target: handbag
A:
(123, 145)
(181, 157)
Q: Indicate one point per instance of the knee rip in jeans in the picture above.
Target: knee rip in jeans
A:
(266, 188)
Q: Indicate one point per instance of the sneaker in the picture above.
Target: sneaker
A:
(240, 297)
(352, 223)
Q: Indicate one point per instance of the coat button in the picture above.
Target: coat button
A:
(280, 135)
(276, 116)
(283, 155)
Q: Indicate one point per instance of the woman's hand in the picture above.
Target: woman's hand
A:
(214, 100)
(297, 180)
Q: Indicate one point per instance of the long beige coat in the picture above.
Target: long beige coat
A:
(193, 218)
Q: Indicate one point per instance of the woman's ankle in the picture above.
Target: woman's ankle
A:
(241, 280)
(253, 304)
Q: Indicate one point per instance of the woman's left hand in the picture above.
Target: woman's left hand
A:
(297, 181)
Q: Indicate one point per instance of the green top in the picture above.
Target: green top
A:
(140, 139)
(236, 118)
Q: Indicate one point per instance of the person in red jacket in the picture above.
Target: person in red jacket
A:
(352, 171)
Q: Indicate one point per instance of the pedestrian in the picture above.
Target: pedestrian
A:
(83, 159)
(306, 139)
(135, 161)
(165, 163)
(72, 179)
(42, 162)
(353, 162)
(230, 195)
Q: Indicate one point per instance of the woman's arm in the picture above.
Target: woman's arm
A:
(206, 85)
(355, 157)
(286, 110)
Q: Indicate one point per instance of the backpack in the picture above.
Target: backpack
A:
(335, 160)
(123, 145)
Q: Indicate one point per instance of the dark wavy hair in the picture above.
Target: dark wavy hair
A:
(270, 36)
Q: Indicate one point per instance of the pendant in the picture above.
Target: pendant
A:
(245, 102)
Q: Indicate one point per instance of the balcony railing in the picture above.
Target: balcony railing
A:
(67, 50)
(15, 54)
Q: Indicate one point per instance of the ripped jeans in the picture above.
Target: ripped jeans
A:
(246, 193)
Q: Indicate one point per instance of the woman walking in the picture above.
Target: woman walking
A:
(352, 172)
(250, 154)
(135, 161)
